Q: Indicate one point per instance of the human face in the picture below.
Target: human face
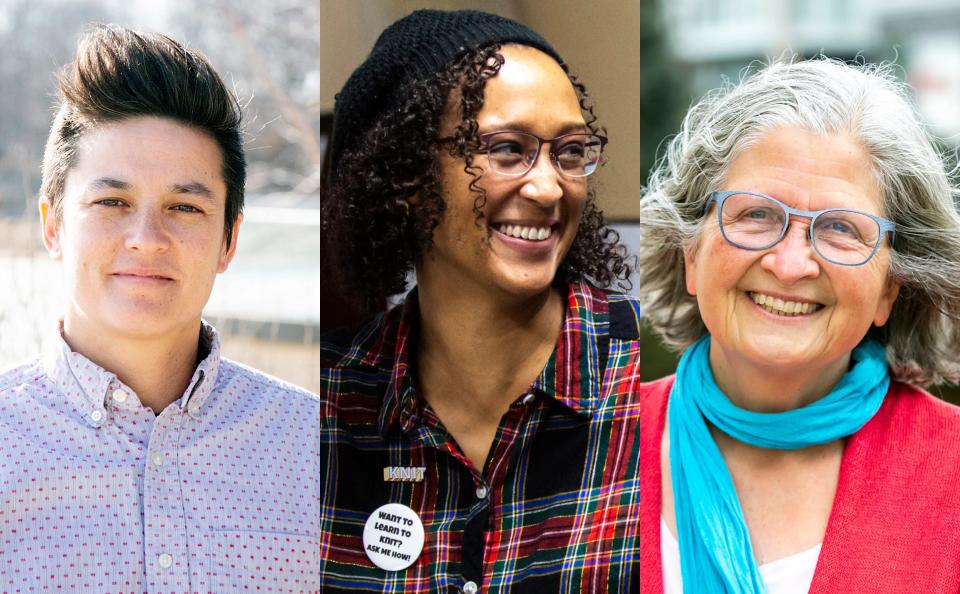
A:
(531, 93)
(809, 172)
(141, 235)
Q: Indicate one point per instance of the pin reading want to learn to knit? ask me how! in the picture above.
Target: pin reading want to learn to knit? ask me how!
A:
(393, 537)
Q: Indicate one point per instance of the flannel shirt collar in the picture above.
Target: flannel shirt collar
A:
(89, 386)
(573, 375)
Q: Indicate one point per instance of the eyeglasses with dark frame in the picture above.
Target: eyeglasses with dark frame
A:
(513, 153)
(841, 236)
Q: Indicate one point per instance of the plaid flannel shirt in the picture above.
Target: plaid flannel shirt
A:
(556, 506)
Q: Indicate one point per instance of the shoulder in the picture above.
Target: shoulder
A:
(653, 396)
(911, 409)
(21, 375)
(624, 316)
(658, 389)
(621, 310)
(261, 385)
(361, 345)
(915, 430)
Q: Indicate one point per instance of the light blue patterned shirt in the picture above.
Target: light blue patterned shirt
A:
(218, 493)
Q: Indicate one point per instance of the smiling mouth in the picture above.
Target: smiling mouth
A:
(783, 308)
(527, 233)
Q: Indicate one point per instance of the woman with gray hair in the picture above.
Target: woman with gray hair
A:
(801, 246)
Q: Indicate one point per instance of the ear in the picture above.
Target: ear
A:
(885, 304)
(690, 269)
(229, 252)
(50, 228)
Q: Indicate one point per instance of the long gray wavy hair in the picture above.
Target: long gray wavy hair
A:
(822, 96)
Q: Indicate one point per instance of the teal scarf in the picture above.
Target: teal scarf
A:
(715, 552)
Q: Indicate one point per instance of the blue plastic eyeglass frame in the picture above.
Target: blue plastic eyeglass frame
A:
(719, 197)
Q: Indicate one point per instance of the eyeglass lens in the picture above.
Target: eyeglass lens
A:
(513, 153)
(841, 236)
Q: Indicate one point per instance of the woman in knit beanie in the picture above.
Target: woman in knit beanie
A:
(481, 436)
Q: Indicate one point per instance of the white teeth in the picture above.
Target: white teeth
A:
(528, 233)
(781, 307)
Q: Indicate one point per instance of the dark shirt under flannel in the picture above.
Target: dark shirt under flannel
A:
(556, 506)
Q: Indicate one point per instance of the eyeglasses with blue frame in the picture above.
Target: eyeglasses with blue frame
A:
(841, 236)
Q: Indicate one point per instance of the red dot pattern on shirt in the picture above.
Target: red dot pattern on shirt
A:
(88, 505)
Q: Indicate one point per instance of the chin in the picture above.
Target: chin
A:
(525, 287)
(779, 351)
(144, 320)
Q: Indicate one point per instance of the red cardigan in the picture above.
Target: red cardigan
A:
(895, 522)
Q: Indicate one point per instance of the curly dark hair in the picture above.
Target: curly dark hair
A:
(376, 234)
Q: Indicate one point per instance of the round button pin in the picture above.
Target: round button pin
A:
(393, 537)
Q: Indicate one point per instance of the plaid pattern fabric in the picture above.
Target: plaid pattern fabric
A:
(556, 507)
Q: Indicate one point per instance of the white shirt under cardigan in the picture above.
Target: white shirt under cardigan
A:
(790, 575)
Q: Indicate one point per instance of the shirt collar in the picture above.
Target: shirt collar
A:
(90, 386)
(573, 375)
(574, 372)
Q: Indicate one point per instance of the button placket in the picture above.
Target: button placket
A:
(165, 529)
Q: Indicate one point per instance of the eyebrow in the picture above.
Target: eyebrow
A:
(568, 128)
(110, 183)
(195, 188)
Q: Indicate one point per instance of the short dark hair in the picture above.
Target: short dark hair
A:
(376, 234)
(118, 74)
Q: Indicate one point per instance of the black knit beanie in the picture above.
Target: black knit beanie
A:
(414, 48)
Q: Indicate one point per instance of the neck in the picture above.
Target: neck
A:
(772, 388)
(490, 350)
(157, 370)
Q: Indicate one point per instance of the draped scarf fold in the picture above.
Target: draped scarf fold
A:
(715, 552)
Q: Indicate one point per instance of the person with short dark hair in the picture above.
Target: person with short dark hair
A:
(491, 417)
(135, 457)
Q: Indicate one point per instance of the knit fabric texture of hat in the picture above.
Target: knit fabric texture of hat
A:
(414, 48)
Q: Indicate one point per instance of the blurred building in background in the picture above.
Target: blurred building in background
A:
(267, 306)
(715, 38)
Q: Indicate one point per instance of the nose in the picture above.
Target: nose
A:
(146, 232)
(792, 259)
(542, 183)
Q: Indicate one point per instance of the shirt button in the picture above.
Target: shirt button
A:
(481, 494)
(96, 416)
(194, 408)
(119, 396)
(470, 588)
(528, 400)
(157, 459)
(165, 561)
